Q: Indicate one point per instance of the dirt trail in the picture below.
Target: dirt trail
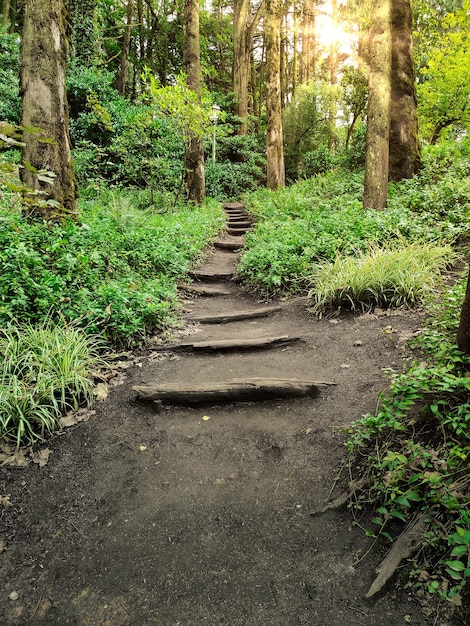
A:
(164, 515)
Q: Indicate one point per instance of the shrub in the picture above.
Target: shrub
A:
(317, 161)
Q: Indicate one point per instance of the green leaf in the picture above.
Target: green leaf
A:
(457, 566)
(459, 550)
(398, 514)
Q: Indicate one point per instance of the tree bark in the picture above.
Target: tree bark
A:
(44, 49)
(463, 332)
(125, 49)
(274, 138)
(194, 148)
(5, 12)
(405, 149)
(308, 53)
(378, 111)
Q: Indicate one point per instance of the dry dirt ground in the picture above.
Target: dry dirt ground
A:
(146, 515)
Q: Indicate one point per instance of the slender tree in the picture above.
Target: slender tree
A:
(44, 48)
(5, 12)
(244, 26)
(194, 149)
(405, 149)
(378, 110)
(274, 139)
(463, 332)
(123, 74)
(83, 32)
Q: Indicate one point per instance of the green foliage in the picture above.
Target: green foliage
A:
(317, 161)
(415, 451)
(444, 93)
(10, 102)
(240, 167)
(318, 219)
(385, 276)
(308, 121)
(116, 271)
(354, 157)
(46, 370)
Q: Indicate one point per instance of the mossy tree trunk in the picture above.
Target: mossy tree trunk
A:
(123, 74)
(194, 148)
(274, 140)
(463, 332)
(44, 49)
(308, 53)
(5, 12)
(378, 111)
(405, 149)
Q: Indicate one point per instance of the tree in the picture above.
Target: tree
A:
(244, 26)
(444, 93)
(463, 332)
(83, 32)
(274, 140)
(44, 48)
(194, 148)
(125, 49)
(404, 148)
(378, 110)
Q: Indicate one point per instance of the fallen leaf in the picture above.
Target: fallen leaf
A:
(13, 457)
(74, 417)
(5, 500)
(206, 418)
(101, 391)
(334, 321)
(308, 431)
(358, 343)
(142, 448)
(345, 366)
(118, 379)
(41, 457)
(108, 310)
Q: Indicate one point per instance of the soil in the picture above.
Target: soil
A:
(149, 515)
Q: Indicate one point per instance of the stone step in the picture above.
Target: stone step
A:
(229, 245)
(237, 231)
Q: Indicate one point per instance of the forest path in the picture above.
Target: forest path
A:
(151, 514)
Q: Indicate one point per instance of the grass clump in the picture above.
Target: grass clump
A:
(46, 371)
(414, 453)
(389, 276)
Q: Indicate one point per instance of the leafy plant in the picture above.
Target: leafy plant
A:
(46, 370)
(385, 276)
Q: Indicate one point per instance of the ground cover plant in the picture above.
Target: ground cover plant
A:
(319, 219)
(116, 270)
(414, 454)
(45, 371)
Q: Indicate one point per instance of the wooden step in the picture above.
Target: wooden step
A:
(229, 245)
(212, 277)
(235, 390)
(226, 345)
(240, 224)
(205, 290)
(235, 316)
(233, 206)
(237, 231)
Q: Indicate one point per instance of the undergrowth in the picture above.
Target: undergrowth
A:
(415, 451)
(45, 371)
(388, 276)
(319, 219)
(116, 270)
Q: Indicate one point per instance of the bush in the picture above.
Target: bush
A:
(10, 101)
(317, 161)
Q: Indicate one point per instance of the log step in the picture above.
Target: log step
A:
(212, 277)
(235, 316)
(232, 206)
(205, 290)
(229, 245)
(226, 345)
(235, 390)
(239, 224)
(237, 231)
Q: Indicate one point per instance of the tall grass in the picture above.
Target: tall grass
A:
(389, 276)
(45, 371)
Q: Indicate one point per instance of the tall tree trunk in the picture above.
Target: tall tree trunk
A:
(308, 54)
(83, 33)
(194, 149)
(295, 54)
(44, 49)
(123, 75)
(463, 332)
(5, 12)
(405, 149)
(274, 140)
(378, 110)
